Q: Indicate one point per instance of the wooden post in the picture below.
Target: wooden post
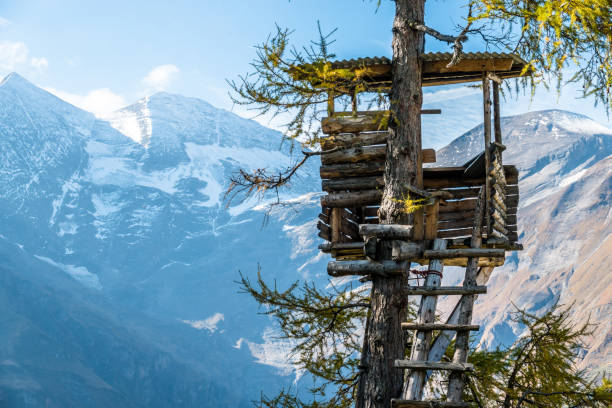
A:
(487, 139)
(413, 388)
(431, 221)
(335, 221)
(419, 214)
(354, 102)
(330, 104)
(496, 113)
(462, 345)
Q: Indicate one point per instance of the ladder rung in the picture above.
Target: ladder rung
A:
(399, 403)
(445, 290)
(440, 326)
(431, 365)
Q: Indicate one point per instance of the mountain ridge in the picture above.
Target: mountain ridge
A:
(148, 230)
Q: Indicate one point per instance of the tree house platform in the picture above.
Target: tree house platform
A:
(352, 175)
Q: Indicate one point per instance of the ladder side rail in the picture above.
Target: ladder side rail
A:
(413, 387)
(456, 379)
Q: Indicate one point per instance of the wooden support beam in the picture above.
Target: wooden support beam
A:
(382, 268)
(431, 220)
(400, 403)
(386, 231)
(427, 365)
(345, 170)
(440, 326)
(406, 250)
(459, 253)
(455, 224)
(496, 114)
(355, 154)
(487, 141)
(361, 121)
(445, 290)
(336, 219)
(340, 246)
(352, 199)
(353, 183)
(344, 140)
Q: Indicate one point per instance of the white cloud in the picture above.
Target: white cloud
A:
(12, 54)
(273, 352)
(98, 101)
(39, 62)
(4, 22)
(209, 324)
(161, 76)
(15, 54)
(449, 94)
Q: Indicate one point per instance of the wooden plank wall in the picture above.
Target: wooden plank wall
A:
(352, 175)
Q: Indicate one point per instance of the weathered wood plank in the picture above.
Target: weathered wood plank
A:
(355, 154)
(340, 246)
(336, 219)
(386, 231)
(352, 199)
(431, 220)
(335, 171)
(343, 140)
(360, 121)
(440, 326)
(364, 122)
(463, 253)
(353, 183)
(454, 224)
(428, 155)
(402, 403)
(406, 250)
(383, 268)
(426, 365)
(445, 290)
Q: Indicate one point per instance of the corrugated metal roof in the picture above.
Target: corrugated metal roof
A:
(429, 57)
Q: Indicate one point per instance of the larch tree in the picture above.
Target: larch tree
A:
(555, 37)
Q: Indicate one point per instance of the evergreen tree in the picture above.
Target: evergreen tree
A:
(554, 36)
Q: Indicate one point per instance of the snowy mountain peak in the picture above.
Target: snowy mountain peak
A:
(13, 79)
(570, 121)
(165, 121)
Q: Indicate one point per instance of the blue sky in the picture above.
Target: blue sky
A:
(102, 55)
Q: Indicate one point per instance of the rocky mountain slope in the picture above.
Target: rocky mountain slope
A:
(564, 216)
(119, 255)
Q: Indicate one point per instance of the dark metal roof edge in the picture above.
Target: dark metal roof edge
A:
(430, 57)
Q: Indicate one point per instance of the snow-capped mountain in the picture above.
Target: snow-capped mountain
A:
(564, 216)
(119, 255)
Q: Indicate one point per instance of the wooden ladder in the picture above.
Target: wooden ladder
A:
(420, 361)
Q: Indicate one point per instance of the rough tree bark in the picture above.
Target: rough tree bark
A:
(384, 335)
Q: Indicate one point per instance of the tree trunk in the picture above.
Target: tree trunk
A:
(384, 334)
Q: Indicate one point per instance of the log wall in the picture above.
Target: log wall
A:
(352, 175)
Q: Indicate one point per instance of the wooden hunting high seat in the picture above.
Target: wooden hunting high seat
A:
(463, 215)
(352, 170)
